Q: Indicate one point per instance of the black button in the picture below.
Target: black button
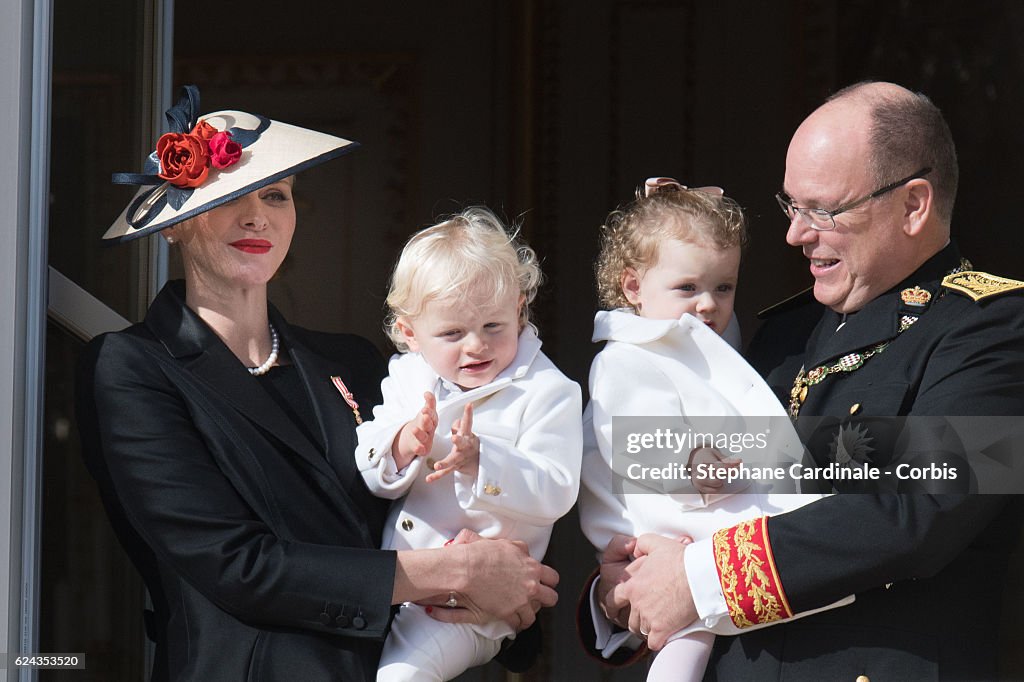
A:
(343, 620)
(325, 618)
(359, 622)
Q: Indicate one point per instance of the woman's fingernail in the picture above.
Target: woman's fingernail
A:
(449, 542)
(429, 609)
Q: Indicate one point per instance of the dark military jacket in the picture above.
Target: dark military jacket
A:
(928, 570)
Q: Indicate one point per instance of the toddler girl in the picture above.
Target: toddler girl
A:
(667, 271)
(477, 430)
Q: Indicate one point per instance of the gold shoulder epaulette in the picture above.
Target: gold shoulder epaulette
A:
(979, 285)
(787, 304)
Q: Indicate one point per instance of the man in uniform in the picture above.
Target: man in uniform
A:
(896, 324)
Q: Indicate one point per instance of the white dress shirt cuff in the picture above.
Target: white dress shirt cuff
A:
(608, 637)
(705, 585)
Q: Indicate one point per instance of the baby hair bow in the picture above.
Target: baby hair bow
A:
(656, 185)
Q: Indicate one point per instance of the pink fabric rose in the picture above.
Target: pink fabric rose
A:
(224, 151)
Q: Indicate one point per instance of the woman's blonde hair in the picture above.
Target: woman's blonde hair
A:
(631, 235)
(469, 251)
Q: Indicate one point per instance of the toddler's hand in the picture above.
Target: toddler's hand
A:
(465, 454)
(417, 436)
(711, 458)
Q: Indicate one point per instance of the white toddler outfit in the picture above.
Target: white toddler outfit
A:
(674, 368)
(528, 424)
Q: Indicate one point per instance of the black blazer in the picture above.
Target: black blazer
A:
(259, 548)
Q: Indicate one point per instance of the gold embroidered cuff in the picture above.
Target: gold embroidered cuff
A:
(746, 569)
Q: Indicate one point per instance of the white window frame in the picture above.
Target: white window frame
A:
(30, 290)
(24, 78)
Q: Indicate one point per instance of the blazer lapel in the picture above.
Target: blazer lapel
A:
(335, 417)
(879, 320)
(191, 341)
(871, 325)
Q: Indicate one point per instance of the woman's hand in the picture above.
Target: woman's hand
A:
(501, 582)
(417, 436)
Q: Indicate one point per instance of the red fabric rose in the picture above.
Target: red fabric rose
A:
(184, 159)
(204, 131)
(224, 151)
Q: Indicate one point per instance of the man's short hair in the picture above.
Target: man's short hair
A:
(908, 132)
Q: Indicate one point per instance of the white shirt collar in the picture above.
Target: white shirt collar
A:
(626, 326)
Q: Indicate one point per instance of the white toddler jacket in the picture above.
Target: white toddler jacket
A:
(676, 368)
(528, 423)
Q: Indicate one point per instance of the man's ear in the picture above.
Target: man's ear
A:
(918, 206)
(407, 333)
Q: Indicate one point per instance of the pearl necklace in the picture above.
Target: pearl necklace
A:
(275, 346)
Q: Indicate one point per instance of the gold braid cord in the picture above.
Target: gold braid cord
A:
(746, 569)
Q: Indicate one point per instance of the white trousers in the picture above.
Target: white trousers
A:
(421, 649)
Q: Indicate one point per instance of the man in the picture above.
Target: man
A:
(896, 324)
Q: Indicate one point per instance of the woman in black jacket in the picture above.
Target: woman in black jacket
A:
(222, 437)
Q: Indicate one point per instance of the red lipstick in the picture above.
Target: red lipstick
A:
(252, 245)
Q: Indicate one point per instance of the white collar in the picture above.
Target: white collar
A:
(624, 325)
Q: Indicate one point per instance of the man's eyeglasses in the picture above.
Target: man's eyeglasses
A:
(824, 220)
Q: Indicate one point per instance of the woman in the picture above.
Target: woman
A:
(221, 437)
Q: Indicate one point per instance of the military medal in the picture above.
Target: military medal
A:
(847, 363)
(798, 394)
(349, 398)
(915, 302)
(906, 321)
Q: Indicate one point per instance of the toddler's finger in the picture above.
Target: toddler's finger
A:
(439, 474)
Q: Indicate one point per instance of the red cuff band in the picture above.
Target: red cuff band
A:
(746, 569)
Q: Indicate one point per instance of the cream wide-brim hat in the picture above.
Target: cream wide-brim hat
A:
(278, 150)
